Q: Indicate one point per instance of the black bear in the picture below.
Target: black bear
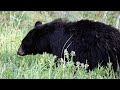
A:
(93, 41)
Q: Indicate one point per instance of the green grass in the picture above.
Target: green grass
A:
(14, 25)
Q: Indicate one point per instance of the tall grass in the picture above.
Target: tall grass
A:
(14, 25)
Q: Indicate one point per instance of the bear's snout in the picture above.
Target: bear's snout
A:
(20, 51)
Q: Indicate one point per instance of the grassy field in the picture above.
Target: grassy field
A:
(14, 25)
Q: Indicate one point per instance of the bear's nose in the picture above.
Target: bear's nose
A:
(20, 52)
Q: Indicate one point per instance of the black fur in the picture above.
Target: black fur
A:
(95, 42)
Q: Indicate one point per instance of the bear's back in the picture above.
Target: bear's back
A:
(88, 26)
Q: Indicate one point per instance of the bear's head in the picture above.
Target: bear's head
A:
(36, 41)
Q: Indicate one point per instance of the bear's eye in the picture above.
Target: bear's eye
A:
(27, 42)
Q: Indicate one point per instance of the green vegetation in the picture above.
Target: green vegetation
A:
(14, 25)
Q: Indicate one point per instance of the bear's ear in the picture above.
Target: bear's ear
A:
(38, 23)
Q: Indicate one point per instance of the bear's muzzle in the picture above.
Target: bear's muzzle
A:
(21, 51)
